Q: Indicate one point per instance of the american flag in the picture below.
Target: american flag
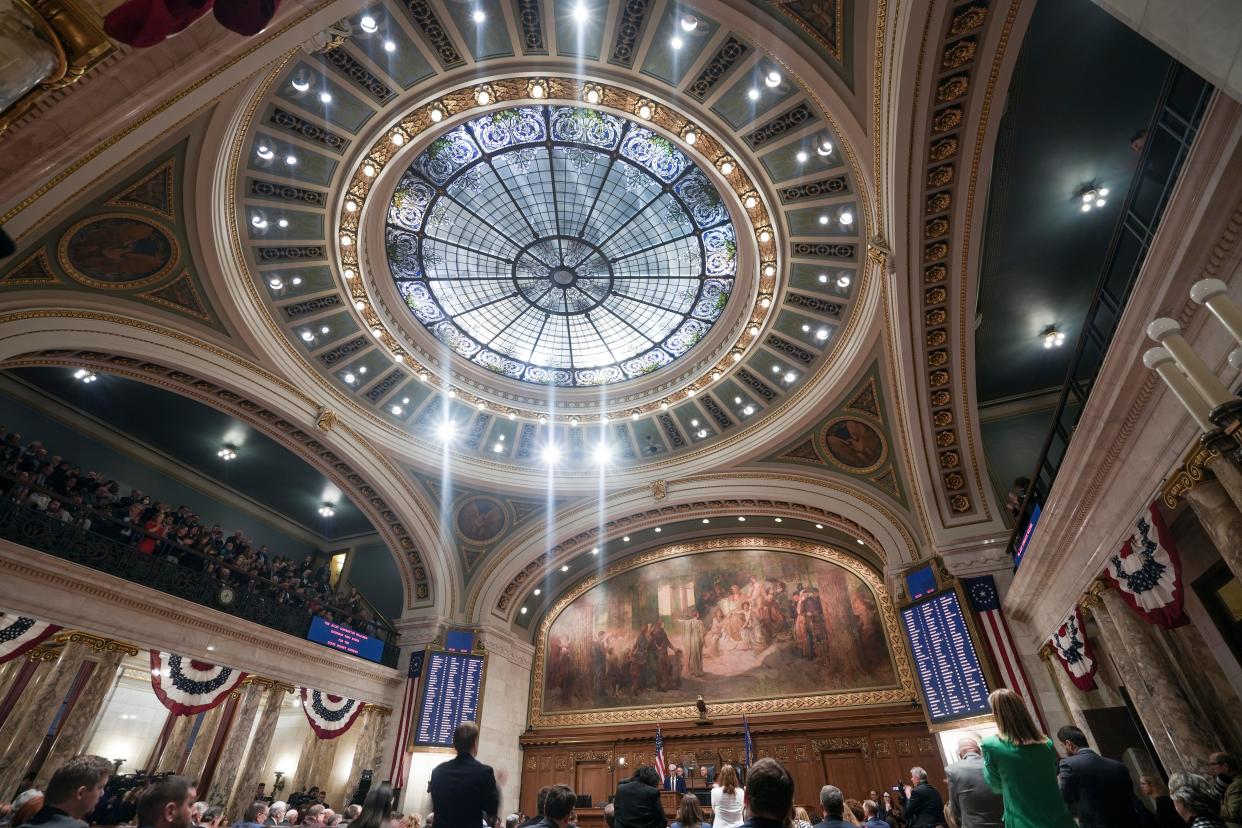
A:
(985, 601)
(659, 762)
(747, 742)
(408, 704)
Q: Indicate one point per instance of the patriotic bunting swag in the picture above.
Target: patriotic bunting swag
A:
(19, 634)
(1070, 643)
(985, 601)
(187, 686)
(1147, 571)
(329, 716)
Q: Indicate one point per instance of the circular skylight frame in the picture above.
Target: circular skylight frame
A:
(437, 213)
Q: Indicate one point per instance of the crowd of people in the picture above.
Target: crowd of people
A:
(1014, 779)
(89, 501)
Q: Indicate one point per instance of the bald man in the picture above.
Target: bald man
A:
(971, 801)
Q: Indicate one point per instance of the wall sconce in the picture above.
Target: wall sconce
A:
(279, 785)
(1215, 409)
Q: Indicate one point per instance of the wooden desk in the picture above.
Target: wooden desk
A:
(594, 817)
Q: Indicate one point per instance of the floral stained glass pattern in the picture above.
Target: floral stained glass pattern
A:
(561, 246)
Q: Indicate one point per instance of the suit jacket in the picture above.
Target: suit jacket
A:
(463, 790)
(973, 803)
(637, 806)
(675, 783)
(925, 808)
(1097, 790)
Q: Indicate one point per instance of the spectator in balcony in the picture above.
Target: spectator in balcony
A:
(19, 490)
(155, 528)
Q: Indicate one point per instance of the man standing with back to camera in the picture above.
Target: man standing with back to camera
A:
(463, 790)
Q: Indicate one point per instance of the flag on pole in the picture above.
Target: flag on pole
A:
(985, 601)
(748, 743)
(406, 722)
(659, 754)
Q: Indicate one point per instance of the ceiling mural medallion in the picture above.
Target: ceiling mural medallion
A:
(559, 245)
(117, 252)
(854, 445)
(481, 519)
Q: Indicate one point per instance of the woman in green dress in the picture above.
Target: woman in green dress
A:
(1020, 764)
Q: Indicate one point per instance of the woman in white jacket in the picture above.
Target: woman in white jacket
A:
(727, 800)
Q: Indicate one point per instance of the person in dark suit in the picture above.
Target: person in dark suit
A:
(832, 806)
(540, 799)
(926, 807)
(676, 779)
(769, 794)
(558, 808)
(972, 802)
(637, 802)
(463, 790)
(1097, 790)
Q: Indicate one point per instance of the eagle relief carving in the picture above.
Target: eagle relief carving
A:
(326, 419)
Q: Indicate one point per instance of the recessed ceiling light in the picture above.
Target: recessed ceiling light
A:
(802, 156)
(324, 329)
(351, 206)
(368, 170)
(447, 430)
(436, 113)
(368, 23)
(307, 336)
(741, 519)
(776, 369)
(821, 334)
(707, 520)
(282, 223)
(275, 284)
(479, 16)
(551, 454)
(689, 22)
(676, 42)
(823, 278)
(819, 526)
(861, 542)
(790, 376)
(350, 378)
(702, 433)
(753, 94)
(362, 369)
(538, 591)
(847, 218)
(772, 79)
(626, 538)
(537, 89)
(265, 152)
(325, 97)
(658, 529)
(748, 410)
(823, 219)
(565, 568)
(389, 46)
(523, 610)
(259, 222)
(824, 148)
(291, 160)
(300, 84)
(297, 280)
(750, 201)
(581, 14)
(396, 409)
(211, 648)
(779, 520)
(843, 280)
(595, 550)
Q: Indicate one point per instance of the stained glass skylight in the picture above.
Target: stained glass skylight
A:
(560, 245)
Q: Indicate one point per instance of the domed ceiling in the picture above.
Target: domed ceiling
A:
(584, 224)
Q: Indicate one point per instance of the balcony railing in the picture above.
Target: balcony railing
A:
(1183, 101)
(108, 546)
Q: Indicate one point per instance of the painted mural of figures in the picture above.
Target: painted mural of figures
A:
(721, 619)
(694, 644)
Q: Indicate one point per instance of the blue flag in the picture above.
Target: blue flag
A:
(750, 744)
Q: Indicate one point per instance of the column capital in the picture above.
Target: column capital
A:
(43, 654)
(1192, 472)
(97, 643)
(381, 709)
(275, 685)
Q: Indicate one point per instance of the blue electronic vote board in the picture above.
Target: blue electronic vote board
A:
(451, 686)
(945, 660)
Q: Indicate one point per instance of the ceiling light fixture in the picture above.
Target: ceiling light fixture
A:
(537, 89)
(479, 16)
(726, 165)
(396, 409)
(581, 14)
(821, 334)
(565, 568)
(398, 138)
(300, 84)
(752, 93)
(228, 452)
(368, 24)
(446, 431)
(307, 336)
(291, 160)
(843, 281)
(769, 269)
(595, 550)
(350, 378)
(676, 42)
(748, 410)
(390, 46)
(823, 219)
(436, 113)
(483, 95)
(625, 538)
(275, 284)
(772, 79)
(325, 97)
(765, 235)
(645, 109)
(296, 280)
(327, 509)
(802, 157)
(259, 222)
(690, 135)
(1093, 197)
(551, 454)
(538, 591)
(324, 329)
(846, 218)
(689, 23)
(750, 201)
(348, 273)
(265, 152)
(824, 149)
(819, 526)
(523, 610)
(658, 530)
(282, 223)
(368, 170)
(592, 93)
(1052, 338)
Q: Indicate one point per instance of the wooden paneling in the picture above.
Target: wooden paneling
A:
(858, 750)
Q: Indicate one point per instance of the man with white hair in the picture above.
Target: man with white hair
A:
(291, 817)
(352, 812)
(972, 802)
(196, 814)
(925, 808)
(276, 812)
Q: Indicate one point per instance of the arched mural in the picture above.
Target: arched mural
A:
(733, 621)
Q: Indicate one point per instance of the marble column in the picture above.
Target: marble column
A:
(76, 728)
(1221, 517)
(44, 666)
(1073, 699)
(1190, 739)
(256, 756)
(367, 755)
(301, 775)
(1204, 676)
(322, 760)
(174, 748)
(1128, 672)
(234, 748)
(202, 743)
(31, 725)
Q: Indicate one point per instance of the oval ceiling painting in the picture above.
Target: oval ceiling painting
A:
(117, 252)
(735, 624)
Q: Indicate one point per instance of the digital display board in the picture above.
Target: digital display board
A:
(459, 641)
(1026, 536)
(340, 637)
(921, 582)
(451, 686)
(945, 660)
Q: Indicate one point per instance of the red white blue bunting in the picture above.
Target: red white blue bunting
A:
(329, 715)
(1074, 651)
(19, 634)
(1147, 571)
(187, 686)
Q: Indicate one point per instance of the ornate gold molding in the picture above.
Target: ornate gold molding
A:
(856, 698)
(97, 643)
(377, 709)
(1193, 471)
(839, 743)
(326, 419)
(274, 685)
(42, 654)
